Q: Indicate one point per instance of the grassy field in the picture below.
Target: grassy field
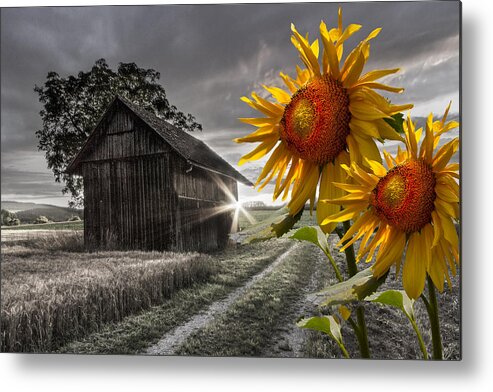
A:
(135, 333)
(51, 295)
(56, 297)
(244, 222)
(77, 225)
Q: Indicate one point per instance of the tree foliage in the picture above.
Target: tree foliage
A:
(73, 105)
(41, 219)
(9, 218)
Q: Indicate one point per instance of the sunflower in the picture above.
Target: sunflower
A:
(329, 115)
(412, 206)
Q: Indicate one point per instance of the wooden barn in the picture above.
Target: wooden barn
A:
(149, 185)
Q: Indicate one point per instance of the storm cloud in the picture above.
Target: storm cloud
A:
(208, 57)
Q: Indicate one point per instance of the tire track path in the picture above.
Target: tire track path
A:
(174, 339)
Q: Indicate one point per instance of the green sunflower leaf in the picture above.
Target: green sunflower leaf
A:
(395, 298)
(356, 288)
(276, 225)
(325, 324)
(396, 122)
(313, 234)
(286, 223)
(400, 300)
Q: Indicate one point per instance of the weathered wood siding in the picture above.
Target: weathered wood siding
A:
(205, 207)
(125, 135)
(140, 194)
(128, 204)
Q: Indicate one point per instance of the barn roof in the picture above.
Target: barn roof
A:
(195, 151)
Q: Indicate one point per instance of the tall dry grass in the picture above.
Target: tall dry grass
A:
(51, 296)
(51, 240)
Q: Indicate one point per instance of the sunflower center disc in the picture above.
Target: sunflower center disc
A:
(405, 196)
(315, 123)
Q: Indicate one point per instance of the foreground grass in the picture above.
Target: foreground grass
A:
(50, 296)
(389, 331)
(137, 332)
(249, 325)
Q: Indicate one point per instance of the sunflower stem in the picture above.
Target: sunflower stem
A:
(420, 338)
(361, 333)
(350, 319)
(432, 308)
(334, 266)
(350, 256)
(343, 349)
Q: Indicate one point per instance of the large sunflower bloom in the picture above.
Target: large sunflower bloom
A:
(329, 115)
(412, 206)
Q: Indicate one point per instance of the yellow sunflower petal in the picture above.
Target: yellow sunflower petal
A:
(271, 162)
(348, 32)
(414, 271)
(366, 111)
(259, 152)
(376, 167)
(261, 134)
(354, 71)
(280, 176)
(449, 231)
(307, 51)
(305, 189)
(373, 34)
(445, 114)
(377, 74)
(437, 228)
(446, 194)
(261, 108)
(260, 122)
(276, 109)
(288, 180)
(412, 144)
(391, 253)
(330, 51)
(289, 82)
(436, 274)
(282, 96)
(445, 208)
(380, 236)
(330, 173)
(443, 155)
(368, 128)
(388, 159)
(355, 229)
(368, 229)
(368, 149)
(379, 86)
(351, 187)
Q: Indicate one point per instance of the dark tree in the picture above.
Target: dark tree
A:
(73, 105)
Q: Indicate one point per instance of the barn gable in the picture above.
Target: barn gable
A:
(143, 189)
(124, 131)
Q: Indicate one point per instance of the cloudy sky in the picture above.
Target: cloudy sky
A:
(208, 57)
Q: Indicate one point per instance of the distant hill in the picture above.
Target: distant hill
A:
(15, 206)
(28, 212)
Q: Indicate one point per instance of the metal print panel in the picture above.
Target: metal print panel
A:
(266, 180)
